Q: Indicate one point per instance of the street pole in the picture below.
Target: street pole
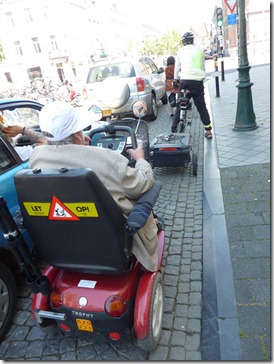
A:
(245, 116)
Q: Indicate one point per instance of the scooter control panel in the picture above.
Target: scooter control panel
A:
(114, 143)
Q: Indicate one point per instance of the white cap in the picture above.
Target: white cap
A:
(61, 120)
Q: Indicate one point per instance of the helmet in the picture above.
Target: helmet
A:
(188, 38)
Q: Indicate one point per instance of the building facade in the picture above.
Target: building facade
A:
(257, 15)
(58, 40)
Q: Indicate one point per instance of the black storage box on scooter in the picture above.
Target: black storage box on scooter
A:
(170, 150)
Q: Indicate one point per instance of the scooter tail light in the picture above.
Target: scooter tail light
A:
(115, 306)
(140, 84)
(56, 298)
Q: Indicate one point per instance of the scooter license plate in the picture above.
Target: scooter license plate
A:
(84, 325)
(106, 112)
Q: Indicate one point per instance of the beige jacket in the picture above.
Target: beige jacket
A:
(126, 185)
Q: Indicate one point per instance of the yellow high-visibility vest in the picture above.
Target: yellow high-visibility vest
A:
(189, 64)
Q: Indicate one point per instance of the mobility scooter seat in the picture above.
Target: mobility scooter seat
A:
(73, 220)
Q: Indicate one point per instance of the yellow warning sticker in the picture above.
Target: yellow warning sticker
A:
(83, 209)
(79, 209)
(37, 208)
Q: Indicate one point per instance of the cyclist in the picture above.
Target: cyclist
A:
(189, 67)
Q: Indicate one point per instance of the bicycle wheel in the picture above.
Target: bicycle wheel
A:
(182, 123)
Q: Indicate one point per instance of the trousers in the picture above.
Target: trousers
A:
(197, 93)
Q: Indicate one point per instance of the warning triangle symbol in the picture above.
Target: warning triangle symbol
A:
(58, 211)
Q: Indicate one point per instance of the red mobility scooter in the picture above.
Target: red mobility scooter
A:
(92, 284)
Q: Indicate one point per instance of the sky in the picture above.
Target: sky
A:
(180, 15)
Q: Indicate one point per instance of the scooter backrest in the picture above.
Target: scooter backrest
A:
(73, 220)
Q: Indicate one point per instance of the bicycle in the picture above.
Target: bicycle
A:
(183, 104)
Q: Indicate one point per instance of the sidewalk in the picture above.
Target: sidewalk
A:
(236, 258)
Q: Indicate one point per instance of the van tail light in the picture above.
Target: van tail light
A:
(85, 94)
(140, 84)
(115, 306)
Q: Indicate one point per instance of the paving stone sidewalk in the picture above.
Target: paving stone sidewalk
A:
(243, 160)
(246, 193)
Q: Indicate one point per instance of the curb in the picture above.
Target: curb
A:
(220, 338)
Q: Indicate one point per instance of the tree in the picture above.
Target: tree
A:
(163, 45)
(2, 55)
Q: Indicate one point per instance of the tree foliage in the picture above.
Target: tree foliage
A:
(168, 43)
(2, 55)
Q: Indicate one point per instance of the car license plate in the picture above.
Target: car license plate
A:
(106, 112)
(84, 325)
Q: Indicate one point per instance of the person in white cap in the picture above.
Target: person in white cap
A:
(63, 128)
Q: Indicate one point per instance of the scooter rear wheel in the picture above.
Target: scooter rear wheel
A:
(156, 315)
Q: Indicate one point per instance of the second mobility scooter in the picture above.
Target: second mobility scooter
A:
(92, 284)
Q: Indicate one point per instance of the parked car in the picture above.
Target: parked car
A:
(26, 113)
(115, 84)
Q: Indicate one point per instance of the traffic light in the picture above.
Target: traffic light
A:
(219, 17)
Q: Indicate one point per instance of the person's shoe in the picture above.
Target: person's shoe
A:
(171, 115)
(208, 134)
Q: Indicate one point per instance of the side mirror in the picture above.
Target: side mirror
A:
(139, 109)
(96, 112)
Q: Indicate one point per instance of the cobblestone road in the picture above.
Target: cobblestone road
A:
(180, 203)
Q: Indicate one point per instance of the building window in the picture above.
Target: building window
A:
(46, 10)
(60, 71)
(18, 48)
(36, 45)
(34, 72)
(8, 77)
(54, 45)
(10, 18)
(28, 16)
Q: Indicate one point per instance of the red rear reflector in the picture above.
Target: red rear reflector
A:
(64, 327)
(168, 149)
(114, 336)
(140, 84)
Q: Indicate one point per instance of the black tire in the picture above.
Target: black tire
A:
(194, 164)
(182, 123)
(164, 99)
(153, 110)
(156, 314)
(8, 297)
(176, 119)
(180, 127)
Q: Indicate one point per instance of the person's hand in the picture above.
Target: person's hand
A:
(137, 153)
(12, 131)
(87, 140)
(176, 83)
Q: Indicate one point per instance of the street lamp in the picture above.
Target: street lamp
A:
(245, 117)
